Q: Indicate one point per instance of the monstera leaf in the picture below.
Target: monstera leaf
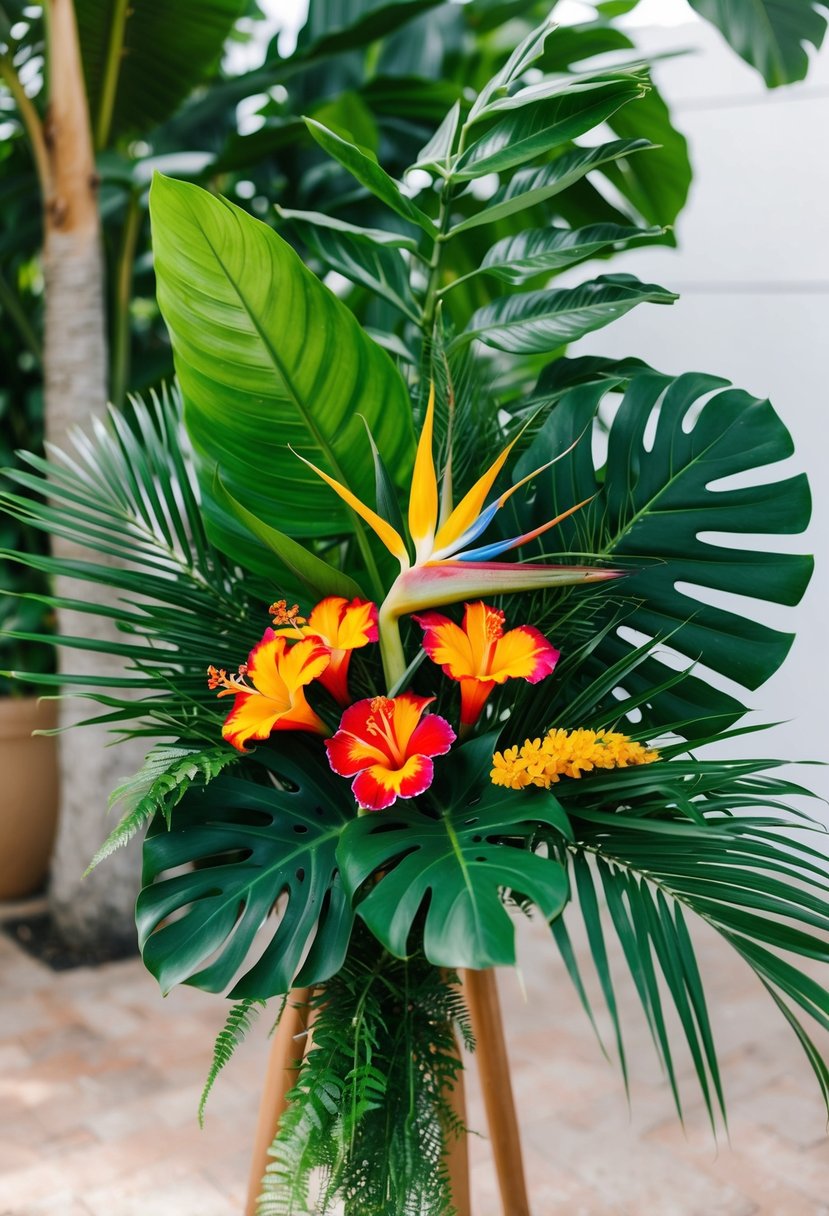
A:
(453, 866)
(674, 449)
(248, 846)
(269, 359)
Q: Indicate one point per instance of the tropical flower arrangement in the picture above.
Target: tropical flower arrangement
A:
(488, 710)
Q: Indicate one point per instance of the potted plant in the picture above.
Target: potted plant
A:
(28, 756)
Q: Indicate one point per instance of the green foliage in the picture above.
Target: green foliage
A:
(453, 866)
(706, 837)
(141, 61)
(267, 357)
(245, 846)
(371, 1107)
(672, 451)
(128, 493)
(157, 788)
(237, 1026)
(771, 35)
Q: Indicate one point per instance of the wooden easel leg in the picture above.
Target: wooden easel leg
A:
(287, 1050)
(481, 994)
(457, 1153)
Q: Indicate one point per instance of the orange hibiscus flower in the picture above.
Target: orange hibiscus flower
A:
(341, 626)
(269, 689)
(479, 654)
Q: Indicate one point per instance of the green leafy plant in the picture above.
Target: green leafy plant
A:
(290, 471)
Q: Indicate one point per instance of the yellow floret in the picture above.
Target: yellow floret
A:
(562, 753)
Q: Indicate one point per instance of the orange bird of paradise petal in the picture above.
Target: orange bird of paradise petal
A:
(479, 654)
(269, 692)
(341, 626)
(387, 745)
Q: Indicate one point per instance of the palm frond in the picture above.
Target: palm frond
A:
(707, 837)
(126, 499)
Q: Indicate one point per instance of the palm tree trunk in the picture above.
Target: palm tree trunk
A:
(97, 910)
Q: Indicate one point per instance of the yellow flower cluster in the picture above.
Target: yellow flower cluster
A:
(564, 753)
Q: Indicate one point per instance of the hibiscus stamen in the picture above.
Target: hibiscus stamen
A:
(217, 677)
(283, 615)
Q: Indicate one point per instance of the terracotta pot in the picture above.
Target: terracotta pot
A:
(28, 794)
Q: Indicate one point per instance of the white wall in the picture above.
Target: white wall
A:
(753, 272)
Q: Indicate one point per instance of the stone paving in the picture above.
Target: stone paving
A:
(100, 1079)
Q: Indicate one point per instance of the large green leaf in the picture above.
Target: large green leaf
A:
(673, 449)
(543, 320)
(771, 35)
(259, 861)
(142, 59)
(268, 357)
(452, 867)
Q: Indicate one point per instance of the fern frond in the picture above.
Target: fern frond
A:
(239, 1021)
(158, 786)
(369, 1116)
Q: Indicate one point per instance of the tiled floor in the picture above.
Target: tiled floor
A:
(100, 1078)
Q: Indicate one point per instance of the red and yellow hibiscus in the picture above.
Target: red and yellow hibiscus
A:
(479, 654)
(387, 745)
(341, 626)
(269, 689)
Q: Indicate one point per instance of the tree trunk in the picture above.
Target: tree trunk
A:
(97, 910)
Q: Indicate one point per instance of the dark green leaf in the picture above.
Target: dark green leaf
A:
(531, 186)
(527, 133)
(252, 844)
(771, 35)
(543, 320)
(670, 451)
(516, 258)
(368, 172)
(452, 869)
(164, 51)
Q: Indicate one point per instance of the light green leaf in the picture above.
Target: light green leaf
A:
(544, 320)
(436, 154)
(158, 787)
(366, 236)
(266, 357)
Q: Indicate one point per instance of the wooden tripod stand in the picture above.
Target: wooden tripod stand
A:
(481, 995)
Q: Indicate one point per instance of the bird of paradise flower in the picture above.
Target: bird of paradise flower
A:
(448, 567)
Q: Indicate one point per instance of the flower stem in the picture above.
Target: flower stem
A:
(391, 647)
